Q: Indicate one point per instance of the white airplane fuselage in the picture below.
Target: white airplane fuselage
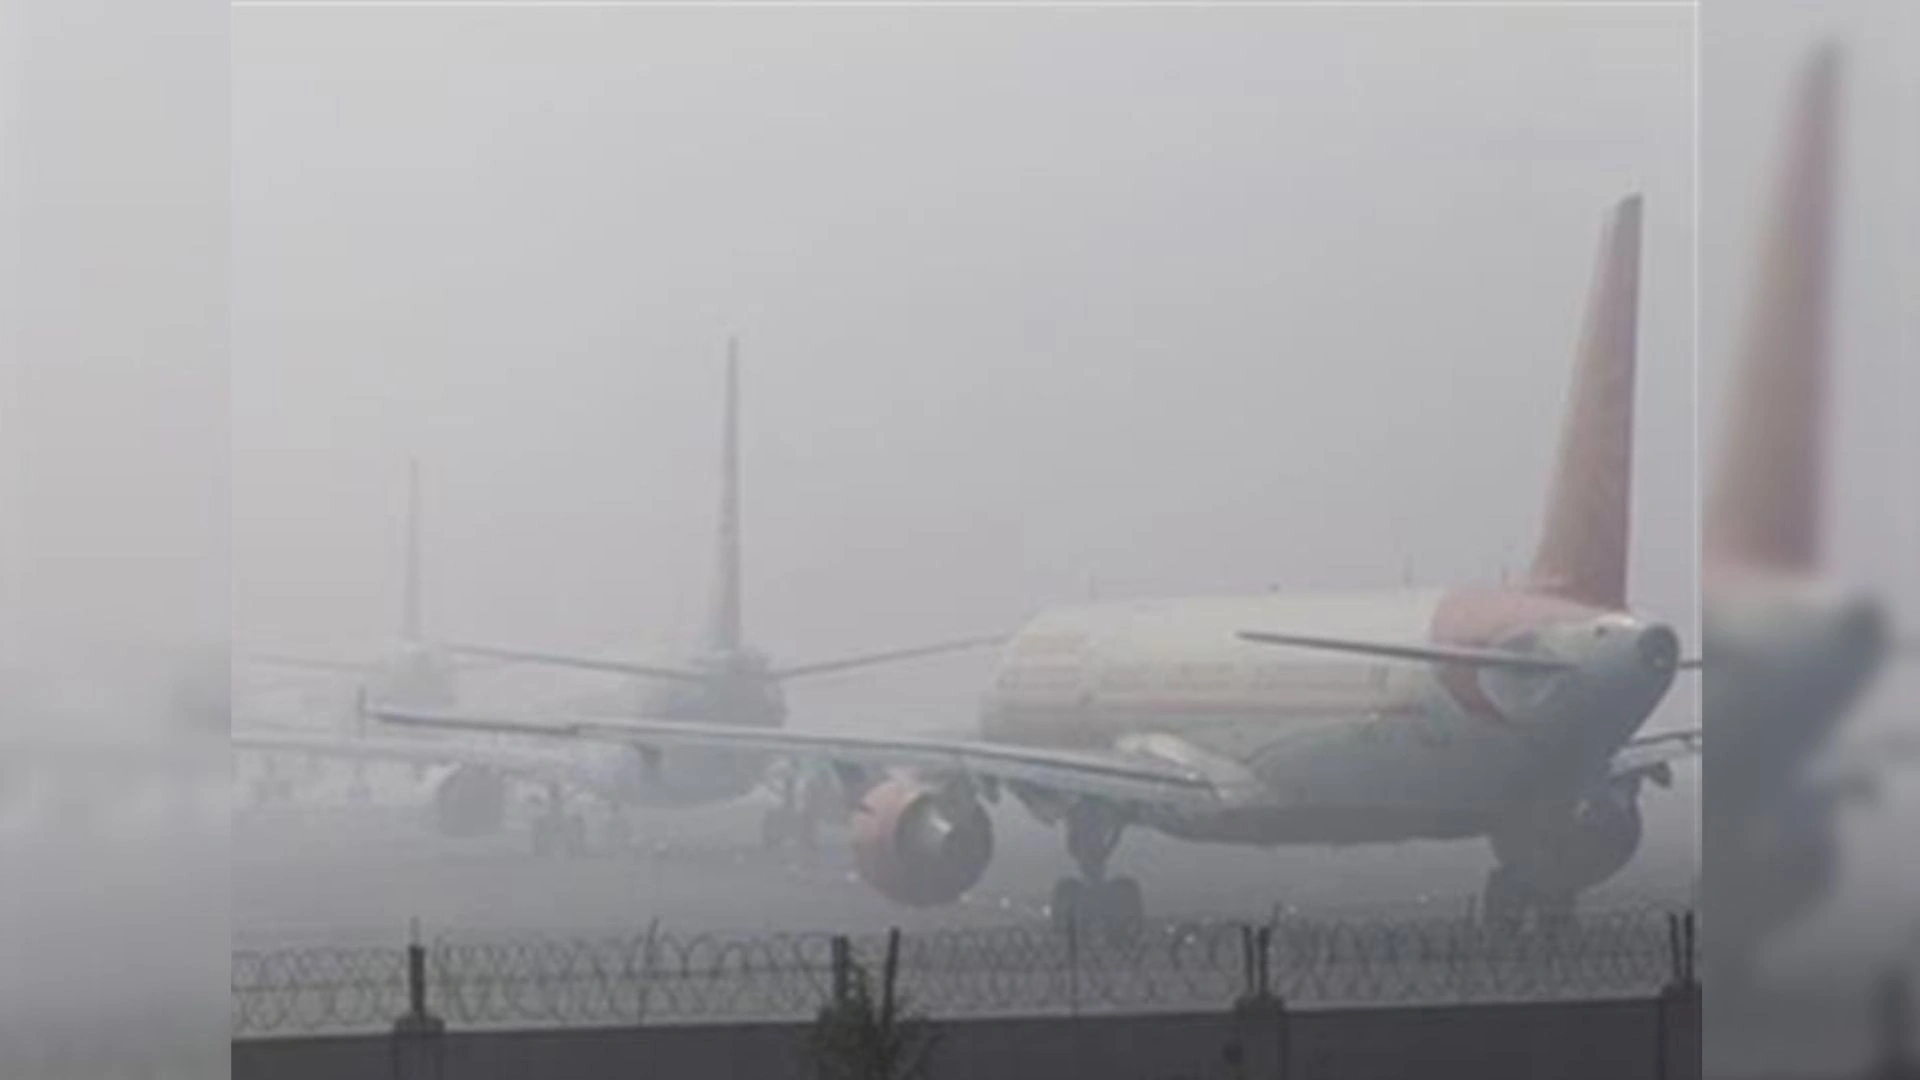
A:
(1339, 749)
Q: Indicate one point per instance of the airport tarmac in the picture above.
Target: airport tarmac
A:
(334, 872)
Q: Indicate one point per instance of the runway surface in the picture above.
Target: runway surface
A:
(331, 871)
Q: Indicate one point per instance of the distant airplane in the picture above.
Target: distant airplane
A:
(1791, 650)
(1506, 713)
(726, 683)
(413, 669)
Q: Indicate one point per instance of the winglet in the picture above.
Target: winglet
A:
(1583, 549)
(1765, 504)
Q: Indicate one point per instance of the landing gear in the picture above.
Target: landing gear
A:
(556, 831)
(795, 822)
(1511, 896)
(1093, 900)
(1548, 856)
(1109, 904)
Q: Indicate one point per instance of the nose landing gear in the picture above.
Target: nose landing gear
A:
(1093, 900)
(1512, 894)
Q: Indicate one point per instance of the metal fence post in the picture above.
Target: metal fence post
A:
(842, 970)
(1677, 1011)
(419, 1037)
(1257, 1045)
(1073, 966)
(649, 965)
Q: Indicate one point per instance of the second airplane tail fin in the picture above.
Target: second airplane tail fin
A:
(1765, 503)
(1583, 549)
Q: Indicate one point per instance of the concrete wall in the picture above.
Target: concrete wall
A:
(1568, 1041)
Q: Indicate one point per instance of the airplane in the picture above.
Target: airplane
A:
(1504, 713)
(726, 682)
(414, 669)
(1792, 650)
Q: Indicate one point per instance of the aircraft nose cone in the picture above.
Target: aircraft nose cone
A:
(1659, 648)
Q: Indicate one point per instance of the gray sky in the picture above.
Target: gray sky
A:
(1184, 300)
(113, 402)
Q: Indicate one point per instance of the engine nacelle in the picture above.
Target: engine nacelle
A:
(919, 845)
(471, 801)
(1581, 850)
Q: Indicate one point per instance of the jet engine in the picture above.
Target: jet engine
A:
(1584, 848)
(471, 801)
(920, 845)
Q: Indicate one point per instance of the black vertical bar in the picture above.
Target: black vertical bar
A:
(841, 961)
(417, 979)
(887, 979)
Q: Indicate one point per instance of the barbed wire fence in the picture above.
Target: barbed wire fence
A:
(478, 981)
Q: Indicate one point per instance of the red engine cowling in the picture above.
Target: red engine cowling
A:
(919, 845)
(470, 802)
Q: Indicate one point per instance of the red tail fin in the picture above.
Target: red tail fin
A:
(1765, 503)
(1583, 551)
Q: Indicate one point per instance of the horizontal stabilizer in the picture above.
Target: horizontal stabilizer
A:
(893, 656)
(1433, 654)
(583, 663)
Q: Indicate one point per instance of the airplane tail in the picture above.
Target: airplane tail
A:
(410, 610)
(1583, 550)
(1764, 507)
(723, 627)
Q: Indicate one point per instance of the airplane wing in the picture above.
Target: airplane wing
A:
(523, 762)
(1126, 777)
(584, 663)
(824, 667)
(315, 665)
(664, 671)
(1651, 757)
